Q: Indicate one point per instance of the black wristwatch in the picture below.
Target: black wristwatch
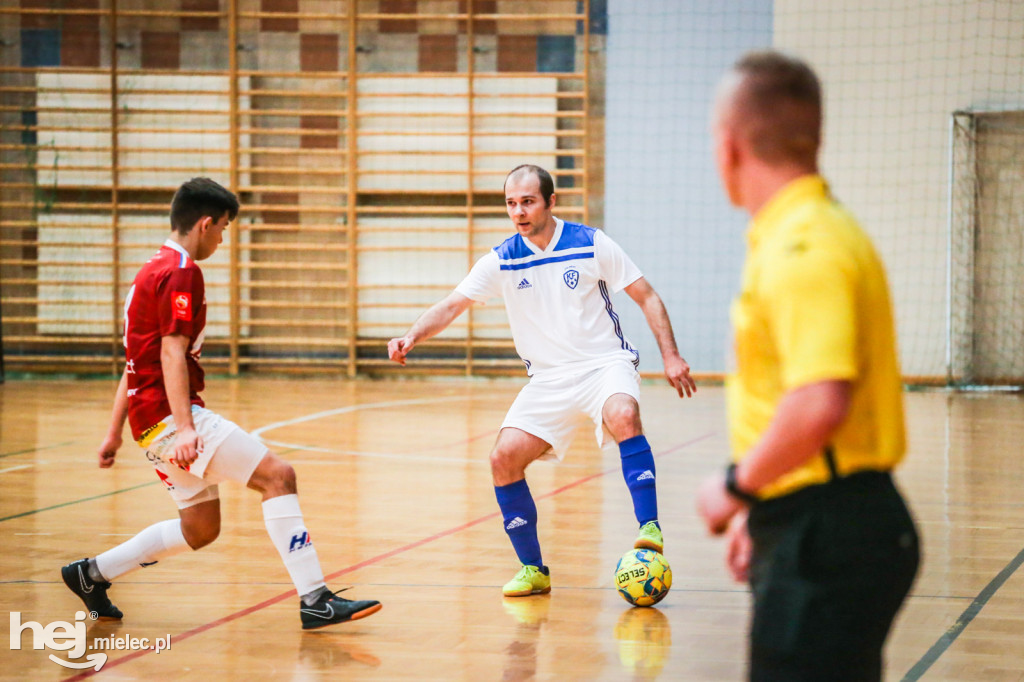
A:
(733, 488)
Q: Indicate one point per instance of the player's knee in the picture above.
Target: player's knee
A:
(274, 476)
(200, 535)
(286, 474)
(282, 479)
(623, 417)
(501, 463)
(506, 467)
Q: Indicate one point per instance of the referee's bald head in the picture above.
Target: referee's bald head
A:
(772, 101)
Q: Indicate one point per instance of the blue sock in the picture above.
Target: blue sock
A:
(638, 470)
(520, 520)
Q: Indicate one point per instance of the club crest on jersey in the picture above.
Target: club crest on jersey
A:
(572, 278)
(182, 303)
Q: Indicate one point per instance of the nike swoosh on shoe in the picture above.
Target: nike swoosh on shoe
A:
(81, 580)
(326, 613)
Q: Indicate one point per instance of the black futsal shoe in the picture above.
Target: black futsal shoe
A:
(92, 593)
(330, 609)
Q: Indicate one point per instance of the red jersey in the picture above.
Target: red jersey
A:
(167, 297)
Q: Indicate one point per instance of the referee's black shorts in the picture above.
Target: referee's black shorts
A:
(831, 565)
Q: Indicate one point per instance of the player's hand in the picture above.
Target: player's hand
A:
(398, 348)
(108, 451)
(738, 548)
(187, 446)
(715, 505)
(678, 374)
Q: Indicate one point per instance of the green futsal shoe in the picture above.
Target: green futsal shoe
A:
(650, 537)
(529, 580)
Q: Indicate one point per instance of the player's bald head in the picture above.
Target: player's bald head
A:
(772, 101)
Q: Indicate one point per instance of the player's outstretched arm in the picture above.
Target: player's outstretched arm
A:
(676, 370)
(433, 322)
(112, 443)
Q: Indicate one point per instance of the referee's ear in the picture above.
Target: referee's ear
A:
(551, 200)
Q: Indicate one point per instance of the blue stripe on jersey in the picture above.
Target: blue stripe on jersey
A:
(575, 235)
(184, 260)
(615, 323)
(544, 261)
(513, 248)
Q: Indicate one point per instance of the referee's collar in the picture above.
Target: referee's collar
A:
(773, 213)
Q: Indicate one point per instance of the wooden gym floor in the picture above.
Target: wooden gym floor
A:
(396, 491)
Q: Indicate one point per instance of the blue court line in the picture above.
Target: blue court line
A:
(84, 499)
(950, 635)
(45, 447)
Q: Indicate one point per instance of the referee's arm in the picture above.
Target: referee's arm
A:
(804, 422)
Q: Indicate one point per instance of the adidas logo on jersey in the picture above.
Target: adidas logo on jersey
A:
(647, 475)
(516, 523)
(525, 284)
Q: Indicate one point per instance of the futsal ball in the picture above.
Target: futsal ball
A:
(643, 577)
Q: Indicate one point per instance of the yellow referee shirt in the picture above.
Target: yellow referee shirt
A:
(814, 306)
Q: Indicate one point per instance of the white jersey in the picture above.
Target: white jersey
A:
(559, 300)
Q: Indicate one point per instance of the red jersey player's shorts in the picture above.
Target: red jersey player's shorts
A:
(227, 453)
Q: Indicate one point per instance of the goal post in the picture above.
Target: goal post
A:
(986, 249)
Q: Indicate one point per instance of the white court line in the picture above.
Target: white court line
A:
(387, 455)
(354, 408)
(20, 466)
(358, 453)
(378, 455)
(372, 455)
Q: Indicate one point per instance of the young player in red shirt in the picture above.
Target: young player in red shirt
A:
(192, 448)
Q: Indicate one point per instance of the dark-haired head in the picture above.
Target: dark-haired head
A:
(197, 199)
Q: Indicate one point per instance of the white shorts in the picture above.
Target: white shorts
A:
(549, 409)
(228, 454)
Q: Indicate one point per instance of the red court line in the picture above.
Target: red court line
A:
(368, 562)
(464, 441)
